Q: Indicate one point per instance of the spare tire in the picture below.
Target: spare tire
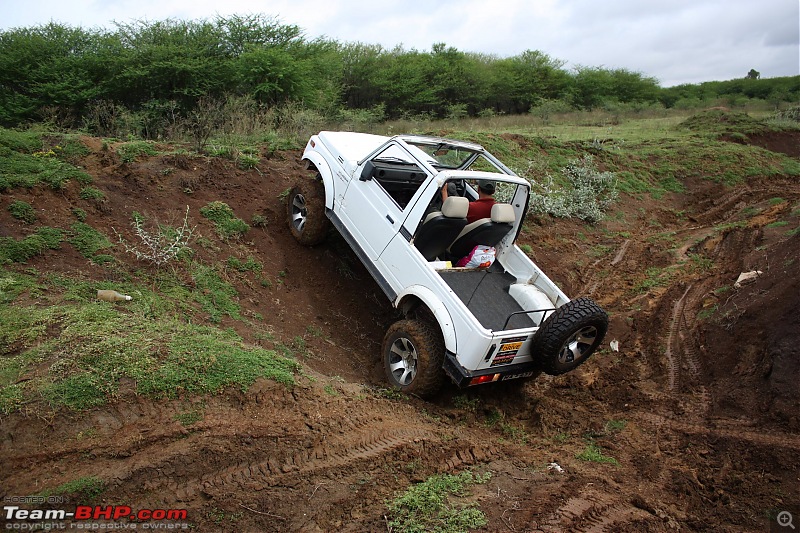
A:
(569, 336)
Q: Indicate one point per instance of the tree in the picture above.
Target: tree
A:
(753, 74)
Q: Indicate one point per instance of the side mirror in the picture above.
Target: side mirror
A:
(368, 171)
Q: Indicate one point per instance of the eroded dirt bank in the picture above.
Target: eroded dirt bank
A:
(699, 407)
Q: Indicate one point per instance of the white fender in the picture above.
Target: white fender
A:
(325, 171)
(438, 309)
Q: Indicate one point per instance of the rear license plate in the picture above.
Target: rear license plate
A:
(510, 347)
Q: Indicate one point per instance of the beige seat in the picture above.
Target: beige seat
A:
(486, 231)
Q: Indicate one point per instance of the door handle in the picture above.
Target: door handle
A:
(390, 219)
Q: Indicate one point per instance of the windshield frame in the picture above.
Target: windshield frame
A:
(473, 153)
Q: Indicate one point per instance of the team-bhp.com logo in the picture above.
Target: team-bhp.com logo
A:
(97, 517)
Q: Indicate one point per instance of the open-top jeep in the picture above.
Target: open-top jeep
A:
(475, 325)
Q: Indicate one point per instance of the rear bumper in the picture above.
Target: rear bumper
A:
(466, 378)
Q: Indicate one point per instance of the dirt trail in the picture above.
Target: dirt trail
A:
(698, 407)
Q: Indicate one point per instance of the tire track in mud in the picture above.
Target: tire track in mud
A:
(359, 442)
(681, 352)
(725, 203)
(592, 512)
(728, 430)
(366, 444)
(272, 471)
(672, 352)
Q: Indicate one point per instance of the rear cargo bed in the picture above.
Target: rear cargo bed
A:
(485, 293)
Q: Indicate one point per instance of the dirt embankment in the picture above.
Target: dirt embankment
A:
(698, 407)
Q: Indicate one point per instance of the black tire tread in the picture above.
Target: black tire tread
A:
(560, 325)
(429, 343)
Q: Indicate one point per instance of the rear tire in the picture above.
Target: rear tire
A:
(569, 336)
(305, 209)
(413, 355)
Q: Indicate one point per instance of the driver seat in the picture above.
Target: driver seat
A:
(440, 228)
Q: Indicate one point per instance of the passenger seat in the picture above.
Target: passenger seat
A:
(486, 231)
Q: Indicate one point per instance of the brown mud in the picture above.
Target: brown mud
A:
(699, 407)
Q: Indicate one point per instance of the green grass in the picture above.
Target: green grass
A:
(187, 418)
(19, 251)
(777, 224)
(250, 265)
(615, 426)
(247, 161)
(594, 454)
(88, 241)
(656, 277)
(466, 403)
(225, 221)
(22, 211)
(91, 193)
(89, 349)
(84, 488)
(79, 213)
(718, 122)
(215, 296)
(27, 160)
(131, 151)
(434, 506)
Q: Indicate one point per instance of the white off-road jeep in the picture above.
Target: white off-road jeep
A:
(475, 325)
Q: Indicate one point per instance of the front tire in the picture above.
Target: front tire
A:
(413, 354)
(305, 209)
(569, 336)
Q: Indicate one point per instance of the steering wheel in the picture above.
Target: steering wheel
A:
(460, 186)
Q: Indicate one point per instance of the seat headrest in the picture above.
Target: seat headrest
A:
(455, 207)
(503, 213)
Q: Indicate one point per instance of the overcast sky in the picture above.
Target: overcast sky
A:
(674, 41)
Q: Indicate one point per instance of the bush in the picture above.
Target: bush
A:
(586, 196)
(160, 246)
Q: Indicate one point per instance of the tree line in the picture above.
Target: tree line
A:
(169, 68)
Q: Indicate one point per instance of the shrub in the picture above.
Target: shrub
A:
(586, 196)
(22, 211)
(160, 246)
